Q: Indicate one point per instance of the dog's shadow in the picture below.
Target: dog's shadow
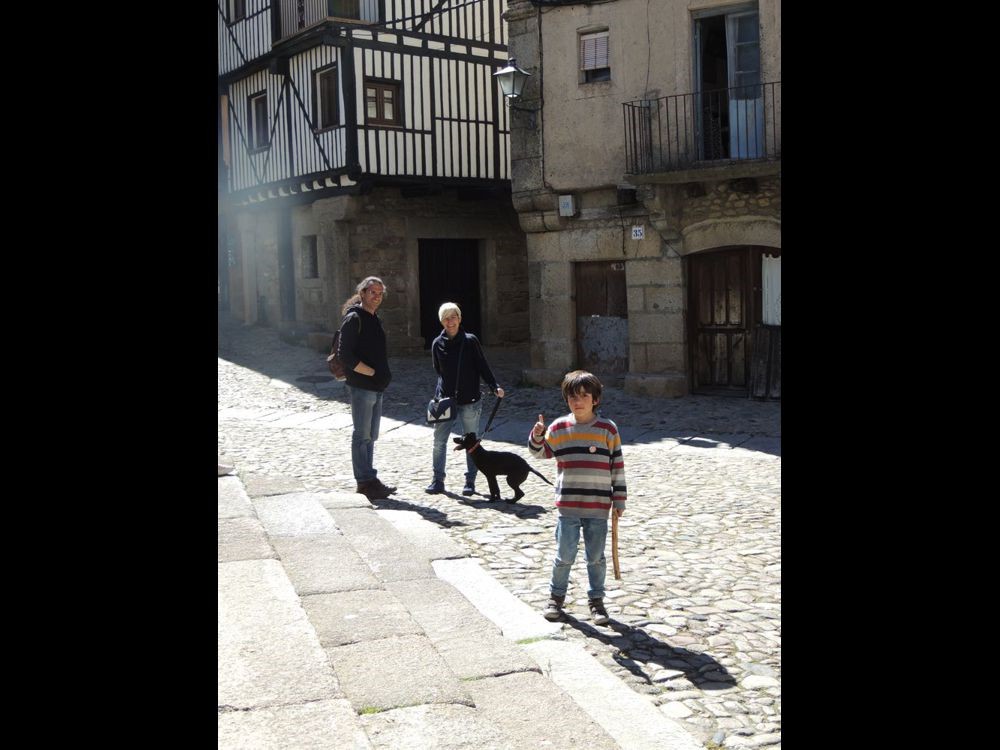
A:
(701, 670)
(429, 514)
(441, 518)
(519, 509)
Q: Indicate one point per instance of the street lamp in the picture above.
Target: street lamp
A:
(511, 80)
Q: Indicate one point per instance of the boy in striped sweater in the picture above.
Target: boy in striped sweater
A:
(590, 483)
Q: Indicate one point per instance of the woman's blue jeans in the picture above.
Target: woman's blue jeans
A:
(595, 533)
(468, 417)
(366, 413)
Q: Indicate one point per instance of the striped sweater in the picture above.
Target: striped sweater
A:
(590, 468)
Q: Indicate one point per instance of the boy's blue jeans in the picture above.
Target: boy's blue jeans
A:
(468, 417)
(366, 413)
(595, 533)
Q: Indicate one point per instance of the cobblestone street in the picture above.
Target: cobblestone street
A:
(696, 617)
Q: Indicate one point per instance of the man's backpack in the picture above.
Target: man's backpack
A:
(333, 361)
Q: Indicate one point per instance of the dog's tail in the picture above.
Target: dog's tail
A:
(539, 474)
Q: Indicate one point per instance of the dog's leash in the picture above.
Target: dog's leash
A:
(489, 423)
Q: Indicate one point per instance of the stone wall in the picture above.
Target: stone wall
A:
(261, 299)
(378, 234)
(677, 219)
(738, 197)
(311, 295)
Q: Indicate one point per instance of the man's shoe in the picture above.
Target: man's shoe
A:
(387, 489)
(599, 613)
(223, 470)
(435, 488)
(469, 489)
(554, 609)
(374, 489)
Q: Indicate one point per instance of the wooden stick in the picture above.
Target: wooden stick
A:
(614, 544)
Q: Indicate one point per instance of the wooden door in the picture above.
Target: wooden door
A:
(449, 272)
(724, 306)
(601, 317)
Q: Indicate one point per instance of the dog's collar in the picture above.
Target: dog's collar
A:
(469, 450)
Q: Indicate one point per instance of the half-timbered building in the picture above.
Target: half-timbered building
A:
(367, 137)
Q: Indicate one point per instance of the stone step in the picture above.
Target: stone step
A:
(374, 629)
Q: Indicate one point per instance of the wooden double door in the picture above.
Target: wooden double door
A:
(601, 317)
(724, 309)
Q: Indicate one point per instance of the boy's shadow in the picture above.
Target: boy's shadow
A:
(701, 670)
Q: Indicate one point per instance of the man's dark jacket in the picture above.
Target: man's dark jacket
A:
(366, 345)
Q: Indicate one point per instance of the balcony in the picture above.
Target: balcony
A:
(735, 131)
(297, 15)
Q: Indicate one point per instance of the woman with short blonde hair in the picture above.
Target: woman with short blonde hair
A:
(460, 363)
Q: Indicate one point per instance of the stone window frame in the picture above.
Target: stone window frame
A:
(309, 256)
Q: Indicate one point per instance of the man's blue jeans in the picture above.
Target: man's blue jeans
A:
(468, 417)
(366, 413)
(595, 533)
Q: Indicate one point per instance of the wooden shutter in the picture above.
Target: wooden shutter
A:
(594, 51)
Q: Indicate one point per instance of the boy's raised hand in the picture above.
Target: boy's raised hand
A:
(539, 429)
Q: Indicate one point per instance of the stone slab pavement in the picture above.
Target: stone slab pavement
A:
(695, 625)
(381, 660)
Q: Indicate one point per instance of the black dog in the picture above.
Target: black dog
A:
(495, 463)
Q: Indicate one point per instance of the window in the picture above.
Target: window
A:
(326, 98)
(382, 103)
(310, 257)
(237, 10)
(595, 63)
(744, 33)
(257, 117)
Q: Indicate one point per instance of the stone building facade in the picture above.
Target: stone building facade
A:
(339, 240)
(688, 238)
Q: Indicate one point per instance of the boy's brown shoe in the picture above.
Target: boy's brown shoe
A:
(554, 609)
(598, 612)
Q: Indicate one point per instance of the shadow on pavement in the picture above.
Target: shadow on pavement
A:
(694, 421)
(699, 669)
(429, 514)
(441, 518)
(515, 509)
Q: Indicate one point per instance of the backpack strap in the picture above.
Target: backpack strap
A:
(336, 349)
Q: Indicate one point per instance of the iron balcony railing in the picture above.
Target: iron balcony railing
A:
(298, 14)
(684, 131)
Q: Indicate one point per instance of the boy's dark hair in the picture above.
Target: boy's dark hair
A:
(581, 380)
